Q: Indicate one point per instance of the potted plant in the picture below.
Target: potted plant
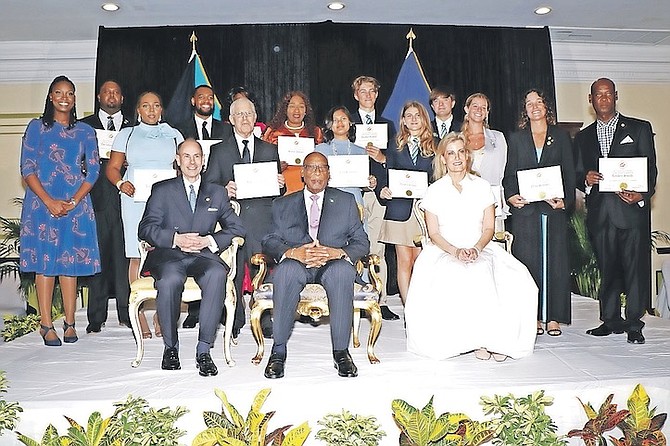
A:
(599, 422)
(347, 429)
(643, 426)
(9, 412)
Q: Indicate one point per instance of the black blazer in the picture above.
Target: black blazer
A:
(632, 138)
(454, 127)
(220, 130)
(104, 194)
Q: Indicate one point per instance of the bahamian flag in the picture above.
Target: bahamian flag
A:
(411, 85)
(179, 109)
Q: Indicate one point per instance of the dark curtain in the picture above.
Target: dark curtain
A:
(323, 58)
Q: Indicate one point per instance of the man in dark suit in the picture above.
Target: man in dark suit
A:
(365, 90)
(317, 237)
(443, 101)
(113, 278)
(202, 126)
(255, 213)
(618, 222)
(179, 221)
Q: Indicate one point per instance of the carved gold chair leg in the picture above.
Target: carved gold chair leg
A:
(375, 328)
(356, 327)
(230, 302)
(256, 312)
(133, 309)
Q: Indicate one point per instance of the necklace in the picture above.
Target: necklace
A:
(300, 127)
(333, 146)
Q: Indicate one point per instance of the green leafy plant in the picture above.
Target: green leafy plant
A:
(522, 421)
(643, 426)
(229, 428)
(9, 412)
(17, 326)
(606, 419)
(347, 429)
(582, 258)
(423, 428)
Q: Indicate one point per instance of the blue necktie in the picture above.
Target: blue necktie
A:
(191, 198)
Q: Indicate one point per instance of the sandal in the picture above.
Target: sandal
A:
(555, 330)
(157, 326)
(44, 331)
(540, 330)
(144, 326)
(499, 357)
(483, 354)
(69, 339)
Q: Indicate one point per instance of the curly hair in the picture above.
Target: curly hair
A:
(48, 114)
(426, 140)
(328, 122)
(281, 113)
(524, 120)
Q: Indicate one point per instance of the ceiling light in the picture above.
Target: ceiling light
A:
(336, 6)
(542, 10)
(110, 7)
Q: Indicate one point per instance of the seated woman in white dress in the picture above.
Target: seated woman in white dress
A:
(466, 293)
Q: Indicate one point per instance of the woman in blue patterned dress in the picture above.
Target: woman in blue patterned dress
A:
(59, 163)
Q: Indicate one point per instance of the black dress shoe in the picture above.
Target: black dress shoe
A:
(388, 315)
(205, 365)
(93, 328)
(170, 359)
(275, 367)
(190, 321)
(344, 364)
(635, 337)
(602, 330)
(266, 325)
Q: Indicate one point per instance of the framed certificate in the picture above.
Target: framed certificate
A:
(540, 184)
(349, 170)
(255, 180)
(206, 145)
(105, 140)
(377, 134)
(143, 179)
(293, 149)
(408, 183)
(623, 174)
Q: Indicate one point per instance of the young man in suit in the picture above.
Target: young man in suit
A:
(202, 126)
(317, 237)
(618, 222)
(179, 221)
(443, 101)
(112, 281)
(255, 213)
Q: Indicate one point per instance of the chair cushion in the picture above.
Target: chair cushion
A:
(315, 292)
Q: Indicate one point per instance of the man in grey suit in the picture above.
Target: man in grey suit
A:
(317, 237)
(255, 213)
(179, 221)
(618, 222)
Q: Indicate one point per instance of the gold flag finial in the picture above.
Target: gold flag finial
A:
(410, 36)
(193, 39)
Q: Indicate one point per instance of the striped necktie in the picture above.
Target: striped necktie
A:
(368, 119)
(414, 149)
(110, 123)
(443, 130)
(191, 197)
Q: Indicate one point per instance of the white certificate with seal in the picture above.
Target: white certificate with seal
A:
(143, 179)
(349, 170)
(408, 183)
(623, 174)
(206, 145)
(255, 180)
(294, 149)
(377, 134)
(105, 140)
(543, 183)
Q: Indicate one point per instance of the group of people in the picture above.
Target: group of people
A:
(491, 302)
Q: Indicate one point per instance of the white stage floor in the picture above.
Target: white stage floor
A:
(77, 379)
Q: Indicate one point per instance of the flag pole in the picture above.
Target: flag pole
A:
(410, 37)
(194, 39)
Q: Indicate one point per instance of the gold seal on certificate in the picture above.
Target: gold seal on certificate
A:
(623, 174)
(407, 183)
(375, 134)
(293, 149)
(105, 140)
(408, 193)
(541, 183)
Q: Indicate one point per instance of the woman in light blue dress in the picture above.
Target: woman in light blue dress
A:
(147, 149)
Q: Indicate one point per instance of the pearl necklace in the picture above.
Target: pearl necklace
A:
(334, 147)
(300, 127)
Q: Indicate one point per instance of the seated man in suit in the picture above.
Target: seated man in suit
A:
(442, 101)
(316, 237)
(179, 222)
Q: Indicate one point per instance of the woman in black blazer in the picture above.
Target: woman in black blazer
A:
(416, 149)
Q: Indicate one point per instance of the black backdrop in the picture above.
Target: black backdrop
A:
(323, 58)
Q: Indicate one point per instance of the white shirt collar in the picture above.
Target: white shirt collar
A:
(116, 117)
(308, 199)
(196, 185)
(439, 122)
(363, 113)
(240, 144)
(198, 124)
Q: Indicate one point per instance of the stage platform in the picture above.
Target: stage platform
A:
(77, 379)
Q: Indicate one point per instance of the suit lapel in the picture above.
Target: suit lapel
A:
(327, 211)
(181, 199)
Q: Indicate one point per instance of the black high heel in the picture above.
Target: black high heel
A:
(69, 339)
(44, 331)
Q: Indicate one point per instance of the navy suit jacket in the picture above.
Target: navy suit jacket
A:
(454, 127)
(632, 138)
(220, 130)
(168, 212)
(340, 225)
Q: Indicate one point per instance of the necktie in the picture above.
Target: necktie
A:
(443, 130)
(110, 123)
(246, 157)
(191, 197)
(414, 149)
(205, 133)
(314, 216)
(368, 119)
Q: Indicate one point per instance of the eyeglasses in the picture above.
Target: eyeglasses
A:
(242, 115)
(313, 168)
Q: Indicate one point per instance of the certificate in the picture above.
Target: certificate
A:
(206, 145)
(143, 179)
(255, 180)
(408, 183)
(293, 149)
(105, 140)
(540, 184)
(377, 134)
(349, 170)
(623, 174)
